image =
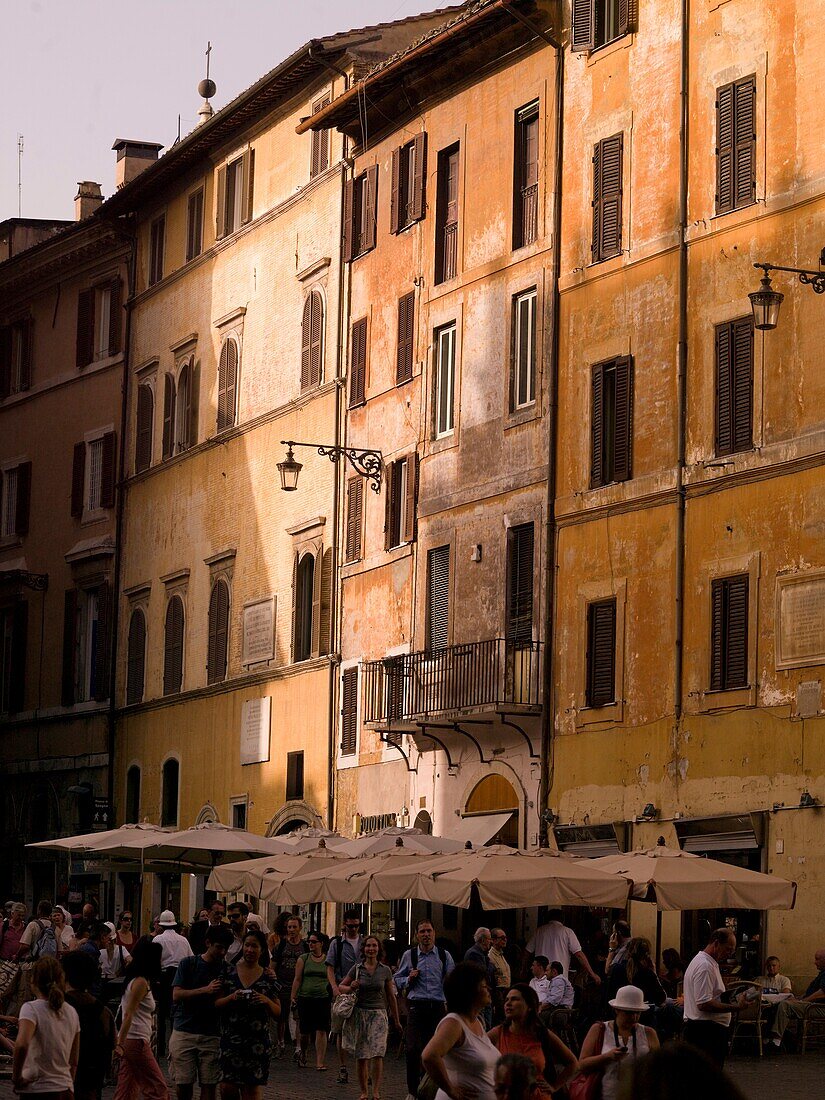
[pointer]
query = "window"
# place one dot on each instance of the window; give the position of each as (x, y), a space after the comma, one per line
(93, 475)
(601, 653)
(132, 814)
(401, 501)
(294, 775)
(523, 389)
(15, 499)
(520, 583)
(526, 176)
(438, 597)
(194, 225)
(355, 515)
(235, 193)
(86, 645)
(218, 632)
(312, 341)
(446, 216)
(607, 197)
(406, 338)
(227, 385)
(186, 408)
(597, 22)
(611, 421)
(358, 363)
(143, 430)
(157, 243)
(239, 814)
(729, 633)
(168, 415)
(736, 145)
(14, 621)
(15, 357)
(173, 647)
(349, 711)
(319, 157)
(136, 657)
(99, 312)
(444, 411)
(734, 386)
(170, 786)
(360, 203)
(304, 605)
(409, 175)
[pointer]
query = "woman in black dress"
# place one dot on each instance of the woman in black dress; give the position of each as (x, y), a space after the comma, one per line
(250, 1001)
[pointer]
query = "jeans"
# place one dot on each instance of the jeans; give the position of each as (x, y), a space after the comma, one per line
(422, 1019)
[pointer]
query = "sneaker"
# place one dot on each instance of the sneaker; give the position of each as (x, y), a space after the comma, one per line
(343, 1076)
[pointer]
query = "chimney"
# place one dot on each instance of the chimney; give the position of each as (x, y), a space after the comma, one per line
(87, 199)
(132, 158)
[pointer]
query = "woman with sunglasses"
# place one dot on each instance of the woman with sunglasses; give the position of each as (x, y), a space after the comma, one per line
(310, 995)
(124, 932)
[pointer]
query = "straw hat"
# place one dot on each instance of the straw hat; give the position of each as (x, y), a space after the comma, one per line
(167, 919)
(629, 999)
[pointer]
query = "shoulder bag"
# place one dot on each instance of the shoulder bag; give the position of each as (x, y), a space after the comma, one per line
(588, 1086)
(343, 1006)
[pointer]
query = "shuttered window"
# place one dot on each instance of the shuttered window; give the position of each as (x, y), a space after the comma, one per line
(194, 225)
(132, 815)
(218, 632)
(409, 174)
(611, 421)
(520, 583)
(729, 633)
(14, 621)
(85, 327)
(523, 382)
(406, 338)
(358, 363)
(78, 478)
(170, 787)
(608, 157)
(15, 500)
(597, 22)
(70, 639)
(294, 775)
(304, 597)
(526, 176)
(16, 343)
(319, 157)
(94, 474)
(169, 409)
(355, 513)
(312, 341)
(349, 711)
(173, 647)
(401, 501)
(360, 206)
(157, 244)
(438, 597)
(736, 145)
(136, 658)
(444, 387)
(143, 429)
(186, 408)
(601, 653)
(235, 191)
(227, 385)
(446, 215)
(734, 386)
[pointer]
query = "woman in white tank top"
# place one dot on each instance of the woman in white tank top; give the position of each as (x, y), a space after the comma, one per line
(460, 1058)
(139, 1071)
(607, 1046)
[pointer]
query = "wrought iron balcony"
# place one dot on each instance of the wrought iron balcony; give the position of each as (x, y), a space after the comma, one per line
(413, 687)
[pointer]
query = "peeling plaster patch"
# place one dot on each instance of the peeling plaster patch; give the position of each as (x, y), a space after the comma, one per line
(644, 774)
(682, 765)
(772, 696)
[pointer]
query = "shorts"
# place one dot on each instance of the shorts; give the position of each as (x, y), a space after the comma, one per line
(194, 1058)
(313, 1014)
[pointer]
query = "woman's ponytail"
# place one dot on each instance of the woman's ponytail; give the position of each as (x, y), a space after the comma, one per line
(48, 979)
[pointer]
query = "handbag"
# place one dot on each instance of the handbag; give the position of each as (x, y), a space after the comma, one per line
(9, 977)
(343, 1006)
(427, 1088)
(588, 1086)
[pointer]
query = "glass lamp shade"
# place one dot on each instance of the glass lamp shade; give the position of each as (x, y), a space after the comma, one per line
(765, 304)
(289, 470)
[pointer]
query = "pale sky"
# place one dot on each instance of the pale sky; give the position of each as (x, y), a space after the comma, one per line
(76, 74)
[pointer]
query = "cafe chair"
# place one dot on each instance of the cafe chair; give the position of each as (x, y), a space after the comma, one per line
(813, 1031)
(752, 1016)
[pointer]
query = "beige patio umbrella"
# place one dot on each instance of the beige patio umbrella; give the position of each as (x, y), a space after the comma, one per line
(265, 877)
(351, 880)
(412, 839)
(308, 837)
(210, 844)
(127, 842)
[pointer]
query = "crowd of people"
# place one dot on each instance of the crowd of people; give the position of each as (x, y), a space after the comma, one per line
(88, 1000)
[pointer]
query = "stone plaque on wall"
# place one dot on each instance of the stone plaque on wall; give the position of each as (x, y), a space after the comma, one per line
(256, 716)
(259, 631)
(800, 614)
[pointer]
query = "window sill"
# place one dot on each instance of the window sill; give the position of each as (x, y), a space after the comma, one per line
(344, 763)
(440, 443)
(609, 714)
(725, 700)
(607, 49)
(525, 415)
(94, 515)
(359, 255)
(8, 542)
(377, 560)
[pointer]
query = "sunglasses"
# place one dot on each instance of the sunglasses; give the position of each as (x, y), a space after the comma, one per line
(313, 941)
(124, 917)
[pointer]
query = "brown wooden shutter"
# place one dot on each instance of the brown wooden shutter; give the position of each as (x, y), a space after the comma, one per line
(625, 16)
(349, 711)
(607, 197)
(325, 624)
(248, 185)
(724, 389)
(397, 218)
(370, 200)
(744, 137)
(411, 503)
(623, 428)
(316, 351)
(520, 584)
(227, 384)
(355, 504)
(194, 402)
(358, 363)
(78, 478)
(406, 338)
(724, 149)
(317, 576)
(736, 640)
(69, 646)
(716, 620)
(104, 601)
(218, 633)
(597, 427)
(306, 345)
(742, 374)
(168, 416)
(23, 504)
(173, 647)
(601, 653)
(19, 644)
(348, 217)
(438, 597)
(85, 326)
(418, 205)
(584, 25)
(194, 225)
(183, 408)
(136, 658)
(145, 416)
(108, 470)
(220, 203)
(5, 361)
(115, 315)
(389, 505)
(26, 348)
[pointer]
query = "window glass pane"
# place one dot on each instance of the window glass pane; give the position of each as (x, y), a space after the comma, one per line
(609, 421)
(90, 643)
(445, 382)
(95, 468)
(103, 305)
(525, 346)
(16, 358)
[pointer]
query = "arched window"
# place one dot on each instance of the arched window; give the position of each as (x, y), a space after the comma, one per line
(169, 793)
(227, 385)
(136, 657)
(304, 608)
(143, 432)
(173, 647)
(494, 795)
(312, 341)
(186, 434)
(218, 632)
(168, 415)
(132, 814)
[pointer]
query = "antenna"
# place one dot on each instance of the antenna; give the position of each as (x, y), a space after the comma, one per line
(20, 175)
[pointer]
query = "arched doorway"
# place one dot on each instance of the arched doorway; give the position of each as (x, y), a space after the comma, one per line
(495, 795)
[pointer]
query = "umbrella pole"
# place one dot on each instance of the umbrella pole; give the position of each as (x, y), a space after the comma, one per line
(658, 938)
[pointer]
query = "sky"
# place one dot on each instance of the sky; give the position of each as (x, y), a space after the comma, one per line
(77, 74)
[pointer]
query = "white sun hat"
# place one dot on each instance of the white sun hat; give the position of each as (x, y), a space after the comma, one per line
(629, 999)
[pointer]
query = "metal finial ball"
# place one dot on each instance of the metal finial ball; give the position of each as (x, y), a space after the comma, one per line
(207, 88)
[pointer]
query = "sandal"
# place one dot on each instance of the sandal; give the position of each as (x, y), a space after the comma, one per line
(321, 1068)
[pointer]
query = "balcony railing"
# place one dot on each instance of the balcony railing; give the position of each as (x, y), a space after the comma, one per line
(412, 687)
(529, 214)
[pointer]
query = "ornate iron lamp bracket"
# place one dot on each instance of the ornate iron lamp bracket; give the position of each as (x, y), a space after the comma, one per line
(368, 463)
(815, 279)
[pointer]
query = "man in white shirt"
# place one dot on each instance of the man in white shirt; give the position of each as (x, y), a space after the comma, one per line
(174, 948)
(554, 940)
(539, 983)
(707, 1016)
(772, 981)
(113, 957)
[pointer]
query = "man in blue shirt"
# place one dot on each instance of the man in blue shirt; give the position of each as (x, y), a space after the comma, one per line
(811, 1005)
(421, 976)
(344, 953)
(482, 942)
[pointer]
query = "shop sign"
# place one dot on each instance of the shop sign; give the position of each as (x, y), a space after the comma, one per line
(371, 823)
(255, 728)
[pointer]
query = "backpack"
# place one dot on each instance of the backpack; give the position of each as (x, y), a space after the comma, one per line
(442, 954)
(46, 944)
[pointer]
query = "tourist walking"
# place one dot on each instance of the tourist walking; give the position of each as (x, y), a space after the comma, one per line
(48, 1036)
(421, 975)
(284, 960)
(139, 1071)
(460, 1058)
(11, 930)
(97, 1026)
(250, 1002)
(522, 1032)
(608, 1044)
(344, 952)
(310, 996)
(365, 1032)
(175, 948)
(125, 934)
(63, 933)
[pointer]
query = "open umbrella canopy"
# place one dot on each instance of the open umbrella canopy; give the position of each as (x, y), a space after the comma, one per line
(270, 878)
(394, 836)
(674, 879)
(352, 880)
(308, 837)
(210, 844)
(127, 842)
